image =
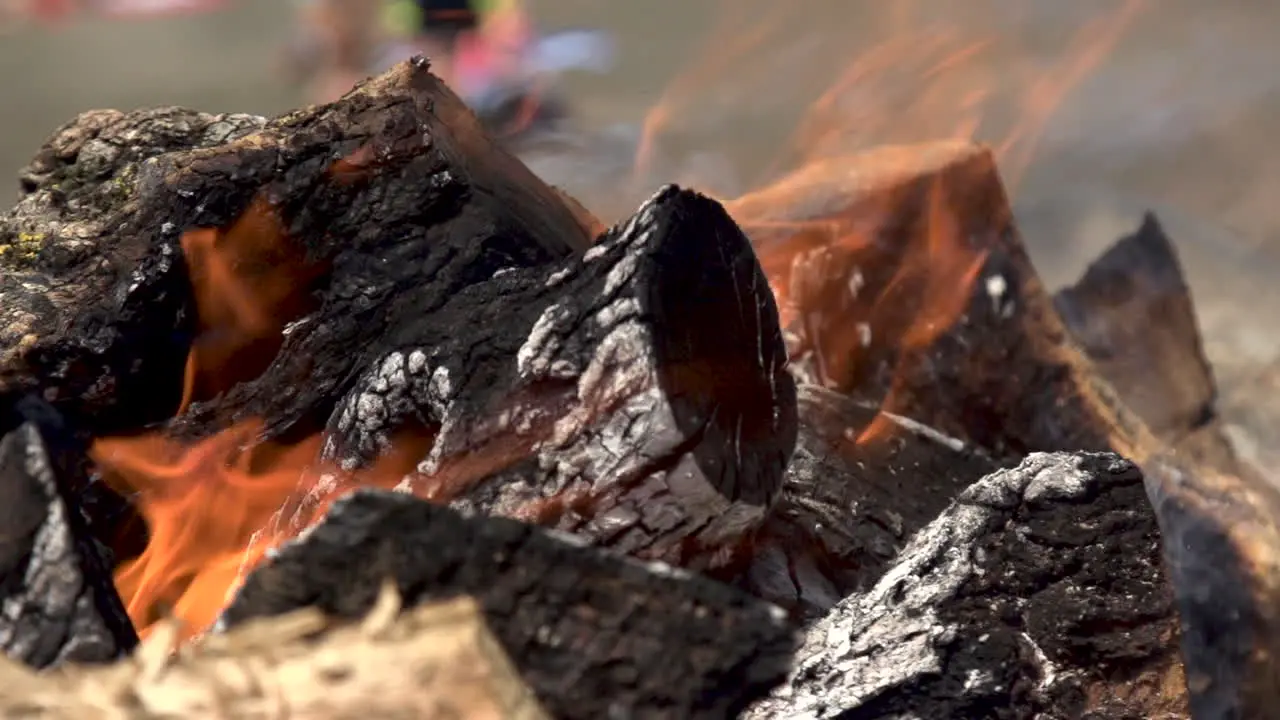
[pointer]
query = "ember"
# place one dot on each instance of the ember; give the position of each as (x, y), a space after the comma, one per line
(828, 448)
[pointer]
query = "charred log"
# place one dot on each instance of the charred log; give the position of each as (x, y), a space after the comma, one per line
(639, 414)
(96, 304)
(1007, 376)
(594, 635)
(1133, 315)
(57, 601)
(1039, 594)
(847, 508)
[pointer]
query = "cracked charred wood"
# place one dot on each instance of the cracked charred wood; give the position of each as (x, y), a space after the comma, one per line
(435, 661)
(1039, 594)
(393, 183)
(847, 508)
(57, 600)
(1007, 376)
(598, 395)
(593, 634)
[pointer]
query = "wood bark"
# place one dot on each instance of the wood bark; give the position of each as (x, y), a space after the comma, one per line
(57, 601)
(595, 635)
(435, 661)
(96, 306)
(1039, 594)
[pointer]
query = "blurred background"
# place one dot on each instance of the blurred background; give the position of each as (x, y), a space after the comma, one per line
(1100, 109)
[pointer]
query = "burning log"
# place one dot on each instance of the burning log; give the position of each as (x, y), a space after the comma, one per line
(599, 390)
(1039, 593)
(987, 360)
(438, 660)
(96, 302)
(58, 601)
(370, 293)
(594, 635)
(847, 509)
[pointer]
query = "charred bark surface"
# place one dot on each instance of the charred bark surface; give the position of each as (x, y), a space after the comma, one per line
(1039, 594)
(848, 507)
(639, 394)
(57, 600)
(392, 184)
(594, 635)
(1132, 313)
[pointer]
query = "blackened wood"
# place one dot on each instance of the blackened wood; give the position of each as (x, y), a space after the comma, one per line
(57, 600)
(639, 394)
(847, 508)
(1008, 377)
(392, 184)
(1133, 314)
(595, 635)
(1039, 594)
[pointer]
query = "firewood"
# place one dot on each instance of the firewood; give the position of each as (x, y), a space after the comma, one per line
(846, 508)
(435, 661)
(1039, 593)
(96, 304)
(593, 634)
(1132, 313)
(59, 604)
(1006, 375)
(641, 413)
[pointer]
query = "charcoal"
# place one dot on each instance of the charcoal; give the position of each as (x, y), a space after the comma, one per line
(593, 634)
(1039, 594)
(847, 508)
(57, 600)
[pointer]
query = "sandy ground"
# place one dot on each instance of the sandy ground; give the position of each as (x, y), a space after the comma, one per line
(1177, 116)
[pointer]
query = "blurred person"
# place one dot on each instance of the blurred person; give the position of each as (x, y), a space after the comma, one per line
(480, 37)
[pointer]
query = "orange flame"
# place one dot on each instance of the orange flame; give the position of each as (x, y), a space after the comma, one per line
(919, 82)
(213, 508)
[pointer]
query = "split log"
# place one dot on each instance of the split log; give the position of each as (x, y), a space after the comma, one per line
(435, 661)
(1133, 315)
(97, 312)
(1005, 375)
(1039, 594)
(847, 508)
(57, 601)
(595, 635)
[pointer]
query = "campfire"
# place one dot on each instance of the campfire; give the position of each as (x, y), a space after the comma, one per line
(348, 411)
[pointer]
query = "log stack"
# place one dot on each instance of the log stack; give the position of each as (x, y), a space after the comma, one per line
(716, 460)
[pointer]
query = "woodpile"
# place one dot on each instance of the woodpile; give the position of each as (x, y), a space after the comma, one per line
(361, 416)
